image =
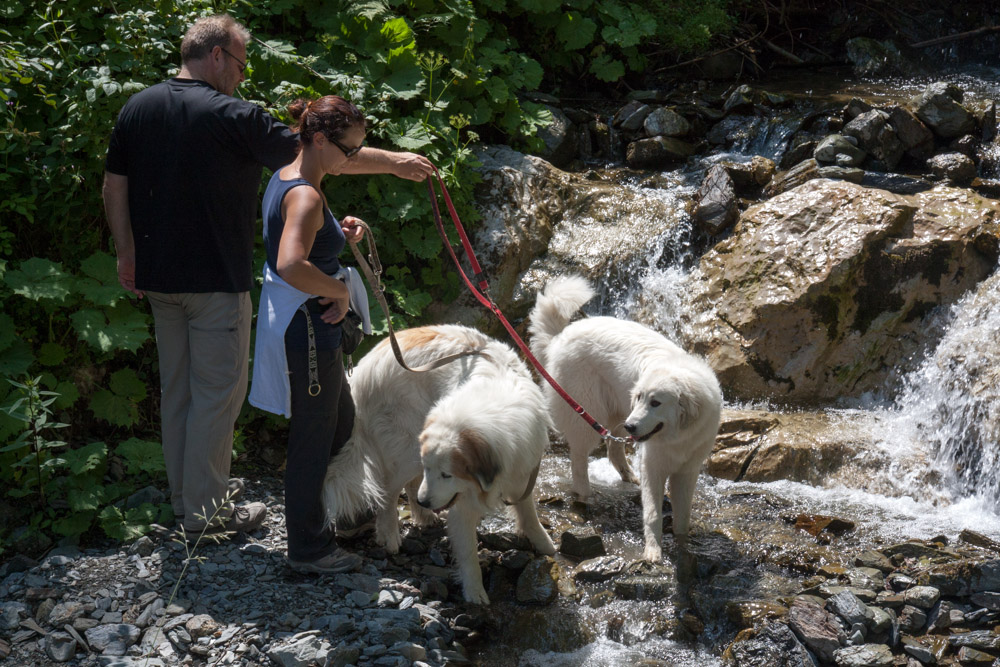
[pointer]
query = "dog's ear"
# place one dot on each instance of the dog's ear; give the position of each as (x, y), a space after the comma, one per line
(689, 409)
(477, 456)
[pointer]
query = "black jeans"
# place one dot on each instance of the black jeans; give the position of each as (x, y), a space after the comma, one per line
(320, 426)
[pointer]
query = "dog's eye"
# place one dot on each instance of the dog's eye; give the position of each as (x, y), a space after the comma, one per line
(445, 475)
(654, 403)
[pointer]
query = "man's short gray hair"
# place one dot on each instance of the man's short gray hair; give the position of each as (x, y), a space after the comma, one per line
(209, 32)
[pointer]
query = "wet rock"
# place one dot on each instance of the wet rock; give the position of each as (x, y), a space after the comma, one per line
(837, 145)
(912, 619)
(917, 140)
(953, 167)
(938, 106)
(539, 582)
(814, 524)
(877, 137)
(599, 569)
(644, 581)
(971, 656)
(752, 174)
(807, 313)
(802, 172)
(874, 559)
(775, 645)
(657, 152)
(842, 174)
(981, 640)
(868, 655)
(666, 122)
(717, 208)
(817, 628)
(923, 597)
(847, 605)
(750, 613)
(581, 544)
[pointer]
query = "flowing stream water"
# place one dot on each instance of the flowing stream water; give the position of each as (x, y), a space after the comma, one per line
(937, 441)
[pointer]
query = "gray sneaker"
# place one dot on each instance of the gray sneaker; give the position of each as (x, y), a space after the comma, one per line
(332, 563)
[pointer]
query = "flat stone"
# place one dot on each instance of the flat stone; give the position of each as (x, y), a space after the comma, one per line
(847, 605)
(581, 544)
(817, 628)
(538, 582)
(866, 655)
(981, 640)
(599, 569)
(922, 596)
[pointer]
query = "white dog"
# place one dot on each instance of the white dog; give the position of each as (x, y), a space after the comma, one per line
(625, 373)
(479, 423)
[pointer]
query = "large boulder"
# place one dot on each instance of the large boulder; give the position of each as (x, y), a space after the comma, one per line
(825, 291)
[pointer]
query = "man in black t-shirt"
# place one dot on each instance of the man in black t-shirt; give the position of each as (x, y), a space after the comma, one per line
(180, 191)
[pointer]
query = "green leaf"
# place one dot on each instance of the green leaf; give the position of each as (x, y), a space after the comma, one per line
(575, 31)
(101, 287)
(51, 354)
(131, 525)
(416, 138)
(114, 409)
(39, 279)
(396, 31)
(87, 498)
(606, 68)
(76, 523)
(89, 457)
(68, 395)
(16, 359)
(121, 327)
(126, 383)
(497, 89)
(141, 456)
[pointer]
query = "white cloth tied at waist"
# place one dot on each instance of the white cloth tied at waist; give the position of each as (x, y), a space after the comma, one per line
(270, 389)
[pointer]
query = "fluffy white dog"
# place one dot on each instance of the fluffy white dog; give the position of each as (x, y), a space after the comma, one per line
(480, 425)
(625, 373)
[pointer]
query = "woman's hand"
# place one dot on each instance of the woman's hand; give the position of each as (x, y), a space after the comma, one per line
(337, 310)
(353, 231)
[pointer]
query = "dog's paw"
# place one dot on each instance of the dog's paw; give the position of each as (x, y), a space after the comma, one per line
(652, 554)
(630, 477)
(389, 542)
(476, 595)
(423, 517)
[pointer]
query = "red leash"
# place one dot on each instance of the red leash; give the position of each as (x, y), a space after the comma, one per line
(487, 301)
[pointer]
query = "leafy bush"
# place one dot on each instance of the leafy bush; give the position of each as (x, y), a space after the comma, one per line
(433, 77)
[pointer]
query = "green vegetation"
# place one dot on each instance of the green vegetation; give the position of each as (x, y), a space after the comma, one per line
(434, 77)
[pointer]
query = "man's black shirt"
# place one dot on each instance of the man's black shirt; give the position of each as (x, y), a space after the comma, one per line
(193, 159)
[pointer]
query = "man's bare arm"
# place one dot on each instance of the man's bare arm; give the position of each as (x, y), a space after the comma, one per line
(116, 208)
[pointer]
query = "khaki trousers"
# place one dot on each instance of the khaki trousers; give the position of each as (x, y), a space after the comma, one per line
(203, 341)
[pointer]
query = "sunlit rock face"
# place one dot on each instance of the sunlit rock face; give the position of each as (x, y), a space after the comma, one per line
(827, 290)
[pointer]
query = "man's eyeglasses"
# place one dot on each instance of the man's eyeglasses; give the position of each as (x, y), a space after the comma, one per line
(239, 63)
(348, 152)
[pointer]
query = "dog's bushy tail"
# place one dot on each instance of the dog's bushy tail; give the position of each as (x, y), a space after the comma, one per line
(351, 488)
(554, 307)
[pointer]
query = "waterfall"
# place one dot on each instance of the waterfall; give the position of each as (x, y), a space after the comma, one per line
(951, 404)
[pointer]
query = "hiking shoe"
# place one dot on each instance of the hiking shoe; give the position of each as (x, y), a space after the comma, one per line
(332, 563)
(234, 493)
(244, 519)
(235, 488)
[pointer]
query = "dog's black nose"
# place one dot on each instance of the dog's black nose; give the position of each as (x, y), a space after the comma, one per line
(424, 503)
(630, 428)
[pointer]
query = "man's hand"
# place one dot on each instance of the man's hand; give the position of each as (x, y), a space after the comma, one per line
(337, 310)
(126, 274)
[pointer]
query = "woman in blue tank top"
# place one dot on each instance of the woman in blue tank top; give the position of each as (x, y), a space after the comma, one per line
(303, 240)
